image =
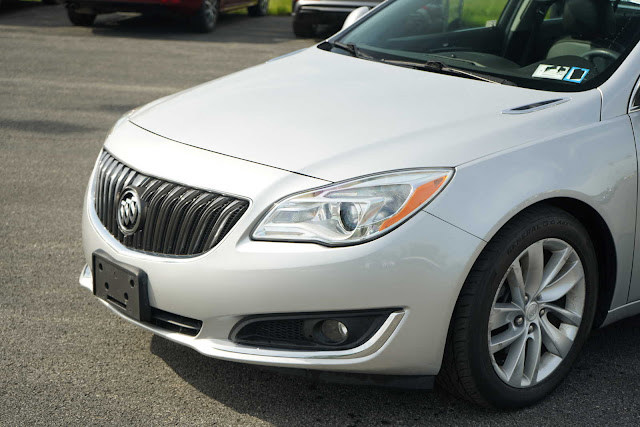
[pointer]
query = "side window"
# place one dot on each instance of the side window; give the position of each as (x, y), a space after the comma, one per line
(635, 104)
(555, 11)
(470, 14)
(454, 14)
(439, 16)
(442, 16)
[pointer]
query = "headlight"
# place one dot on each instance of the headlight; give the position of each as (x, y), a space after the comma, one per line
(353, 211)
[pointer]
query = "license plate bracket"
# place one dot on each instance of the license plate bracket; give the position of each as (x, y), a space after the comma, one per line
(123, 286)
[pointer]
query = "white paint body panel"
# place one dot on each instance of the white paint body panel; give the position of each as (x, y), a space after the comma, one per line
(241, 277)
(336, 117)
(317, 117)
(573, 165)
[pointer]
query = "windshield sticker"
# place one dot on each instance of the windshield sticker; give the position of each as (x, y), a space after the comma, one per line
(576, 75)
(553, 72)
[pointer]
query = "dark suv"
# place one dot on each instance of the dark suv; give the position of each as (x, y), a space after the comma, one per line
(307, 14)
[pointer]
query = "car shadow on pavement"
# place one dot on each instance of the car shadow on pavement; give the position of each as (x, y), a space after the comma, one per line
(48, 126)
(608, 364)
(285, 399)
(7, 7)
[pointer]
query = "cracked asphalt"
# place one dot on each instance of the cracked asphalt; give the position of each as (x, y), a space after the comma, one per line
(65, 360)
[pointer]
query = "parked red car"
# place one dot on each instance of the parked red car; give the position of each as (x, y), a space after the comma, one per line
(202, 13)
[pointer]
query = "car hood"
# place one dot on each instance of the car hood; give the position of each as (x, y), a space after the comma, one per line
(335, 117)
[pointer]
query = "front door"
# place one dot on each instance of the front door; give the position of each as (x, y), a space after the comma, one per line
(634, 113)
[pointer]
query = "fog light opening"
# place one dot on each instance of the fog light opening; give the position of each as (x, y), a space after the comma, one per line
(333, 331)
(318, 331)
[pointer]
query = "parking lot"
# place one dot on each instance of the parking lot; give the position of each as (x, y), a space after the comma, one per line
(64, 359)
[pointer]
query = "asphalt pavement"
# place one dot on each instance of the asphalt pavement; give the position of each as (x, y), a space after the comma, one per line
(66, 360)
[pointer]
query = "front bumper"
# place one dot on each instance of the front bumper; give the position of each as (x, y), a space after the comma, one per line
(419, 267)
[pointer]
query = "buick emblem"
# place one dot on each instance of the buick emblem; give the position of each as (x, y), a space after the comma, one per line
(129, 211)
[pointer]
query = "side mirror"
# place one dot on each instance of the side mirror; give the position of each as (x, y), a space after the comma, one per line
(355, 15)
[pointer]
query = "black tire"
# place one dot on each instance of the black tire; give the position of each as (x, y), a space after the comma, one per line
(205, 20)
(80, 19)
(467, 370)
(259, 9)
(302, 29)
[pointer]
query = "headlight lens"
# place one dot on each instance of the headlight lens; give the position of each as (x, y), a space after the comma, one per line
(353, 211)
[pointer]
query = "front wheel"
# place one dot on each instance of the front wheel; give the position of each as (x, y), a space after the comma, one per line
(260, 9)
(205, 20)
(80, 19)
(524, 312)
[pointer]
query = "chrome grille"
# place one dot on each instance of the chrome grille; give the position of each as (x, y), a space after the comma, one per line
(178, 220)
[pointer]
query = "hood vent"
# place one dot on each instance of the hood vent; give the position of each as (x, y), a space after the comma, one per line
(536, 106)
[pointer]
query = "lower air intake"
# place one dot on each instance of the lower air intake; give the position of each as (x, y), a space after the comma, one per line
(175, 322)
(310, 331)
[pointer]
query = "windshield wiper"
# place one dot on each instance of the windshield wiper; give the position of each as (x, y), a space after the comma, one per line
(441, 67)
(434, 66)
(353, 50)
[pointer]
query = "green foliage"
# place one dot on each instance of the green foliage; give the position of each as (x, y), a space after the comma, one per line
(279, 7)
(476, 13)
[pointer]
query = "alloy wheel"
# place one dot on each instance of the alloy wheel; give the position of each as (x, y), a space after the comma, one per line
(264, 6)
(536, 313)
(210, 11)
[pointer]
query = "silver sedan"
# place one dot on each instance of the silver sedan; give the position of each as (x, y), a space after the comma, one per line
(454, 202)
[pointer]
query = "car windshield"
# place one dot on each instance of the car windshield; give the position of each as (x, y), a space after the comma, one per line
(559, 45)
